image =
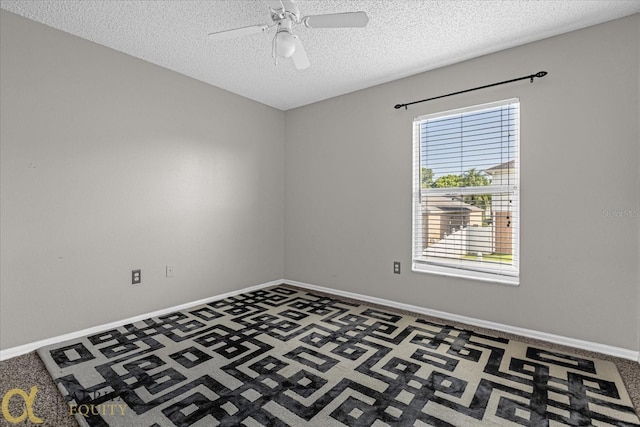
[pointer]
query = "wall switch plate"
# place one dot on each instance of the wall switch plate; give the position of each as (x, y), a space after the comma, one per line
(170, 270)
(396, 267)
(136, 277)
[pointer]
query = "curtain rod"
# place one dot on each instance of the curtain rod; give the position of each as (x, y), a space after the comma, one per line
(539, 74)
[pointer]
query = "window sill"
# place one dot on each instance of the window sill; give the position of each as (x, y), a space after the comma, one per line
(465, 274)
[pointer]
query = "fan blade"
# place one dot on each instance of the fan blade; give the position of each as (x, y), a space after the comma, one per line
(238, 32)
(300, 58)
(337, 20)
(279, 5)
(274, 4)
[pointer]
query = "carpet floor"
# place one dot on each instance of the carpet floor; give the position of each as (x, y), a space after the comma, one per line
(287, 357)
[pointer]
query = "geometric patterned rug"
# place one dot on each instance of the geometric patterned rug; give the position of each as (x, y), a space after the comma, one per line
(288, 357)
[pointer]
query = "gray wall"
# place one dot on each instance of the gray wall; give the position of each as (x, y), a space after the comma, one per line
(348, 187)
(110, 164)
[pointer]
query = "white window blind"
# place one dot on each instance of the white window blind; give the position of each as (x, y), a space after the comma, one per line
(466, 192)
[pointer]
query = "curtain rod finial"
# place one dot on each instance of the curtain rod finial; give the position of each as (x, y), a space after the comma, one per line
(397, 106)
(539, 74)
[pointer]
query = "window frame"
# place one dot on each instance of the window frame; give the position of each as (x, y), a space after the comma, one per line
(474, 270)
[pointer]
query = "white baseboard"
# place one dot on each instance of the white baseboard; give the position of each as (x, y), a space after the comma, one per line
(27, 348)
(556, 339)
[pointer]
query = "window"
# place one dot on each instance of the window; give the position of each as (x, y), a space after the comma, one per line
(466, 192)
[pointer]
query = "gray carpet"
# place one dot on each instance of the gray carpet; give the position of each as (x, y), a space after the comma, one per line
(286, 357)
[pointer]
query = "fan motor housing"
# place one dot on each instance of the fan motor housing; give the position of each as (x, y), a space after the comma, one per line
(290, 12)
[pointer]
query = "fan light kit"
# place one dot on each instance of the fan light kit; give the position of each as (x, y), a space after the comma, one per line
(285, 14)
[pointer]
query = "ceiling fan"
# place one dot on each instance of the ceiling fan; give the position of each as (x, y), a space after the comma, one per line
(285, 14)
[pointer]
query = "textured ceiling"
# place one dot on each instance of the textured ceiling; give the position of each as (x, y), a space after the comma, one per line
(404, 37)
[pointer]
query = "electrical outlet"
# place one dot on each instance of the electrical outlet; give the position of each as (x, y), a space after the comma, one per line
(396, 267)
(170, 270)
(136, 277)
